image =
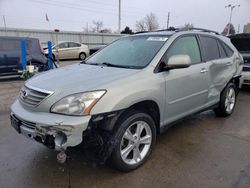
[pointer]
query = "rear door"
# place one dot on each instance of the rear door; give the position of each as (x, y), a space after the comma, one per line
(63, 49)
(218, 57)
(74, 49)
(186, 89)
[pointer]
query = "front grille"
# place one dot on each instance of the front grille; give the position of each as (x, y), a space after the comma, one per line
(27, 124)
(32, 97)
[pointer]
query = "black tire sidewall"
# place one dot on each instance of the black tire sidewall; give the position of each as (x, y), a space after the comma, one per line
(222, 109)
(82, 53)
(125, 122)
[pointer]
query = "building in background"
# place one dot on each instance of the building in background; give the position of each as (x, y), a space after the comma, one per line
(247, 28)
(90, 39)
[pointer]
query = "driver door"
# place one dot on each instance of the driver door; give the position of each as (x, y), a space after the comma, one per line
(186, 88)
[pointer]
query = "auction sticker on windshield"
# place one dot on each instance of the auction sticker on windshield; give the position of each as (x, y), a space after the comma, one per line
(160, 39)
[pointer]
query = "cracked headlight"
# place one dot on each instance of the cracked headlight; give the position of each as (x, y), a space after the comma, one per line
(77, 104)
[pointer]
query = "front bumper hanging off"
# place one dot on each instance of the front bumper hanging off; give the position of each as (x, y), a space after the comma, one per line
(53, 130)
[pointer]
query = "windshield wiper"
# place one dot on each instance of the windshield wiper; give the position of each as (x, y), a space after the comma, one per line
(119, 66)
(111, 65)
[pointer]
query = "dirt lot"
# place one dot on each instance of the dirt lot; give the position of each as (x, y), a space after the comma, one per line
(201, 151)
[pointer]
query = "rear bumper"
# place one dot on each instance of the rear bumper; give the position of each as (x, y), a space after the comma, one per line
(53, 130)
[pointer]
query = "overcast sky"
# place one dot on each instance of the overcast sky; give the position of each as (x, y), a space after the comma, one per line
(75, 15)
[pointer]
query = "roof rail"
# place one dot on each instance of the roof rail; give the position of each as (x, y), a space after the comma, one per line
(182, 29)
(198, 29)
(170, 29)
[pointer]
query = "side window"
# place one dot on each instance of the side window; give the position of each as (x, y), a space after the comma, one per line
(228, 50)
(222, 51)
(210, 47)
(73, 45)
(185, 46)
(63, 45)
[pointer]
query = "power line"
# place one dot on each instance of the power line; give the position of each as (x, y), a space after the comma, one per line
(119, 17)
(71, 7)
(104, 10)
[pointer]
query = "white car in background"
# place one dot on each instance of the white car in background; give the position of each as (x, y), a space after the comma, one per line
(69, 50)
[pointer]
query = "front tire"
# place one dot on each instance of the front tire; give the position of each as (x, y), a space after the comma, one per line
(136, 135)
(227, 101)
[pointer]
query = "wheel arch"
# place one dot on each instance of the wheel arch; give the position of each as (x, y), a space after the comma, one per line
(236, 81)
(82, 52)
(149, 107)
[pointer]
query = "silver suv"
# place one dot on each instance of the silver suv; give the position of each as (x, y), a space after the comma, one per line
(119, 99)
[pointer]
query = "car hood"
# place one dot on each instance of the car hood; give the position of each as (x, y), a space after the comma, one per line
(78, 78)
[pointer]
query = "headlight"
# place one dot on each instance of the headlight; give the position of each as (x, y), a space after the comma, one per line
(77, 104)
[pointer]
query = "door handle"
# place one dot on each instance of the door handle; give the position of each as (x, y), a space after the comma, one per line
(203, 70)
(228, 63)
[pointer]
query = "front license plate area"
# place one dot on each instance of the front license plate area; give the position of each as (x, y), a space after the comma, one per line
(15, 123)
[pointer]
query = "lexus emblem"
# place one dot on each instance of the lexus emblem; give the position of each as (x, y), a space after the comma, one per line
(24, 94)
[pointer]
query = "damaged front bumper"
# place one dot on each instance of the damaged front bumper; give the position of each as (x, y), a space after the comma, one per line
(53, 130)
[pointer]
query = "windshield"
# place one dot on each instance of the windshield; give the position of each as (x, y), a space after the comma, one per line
(129, 52)
(242, 44)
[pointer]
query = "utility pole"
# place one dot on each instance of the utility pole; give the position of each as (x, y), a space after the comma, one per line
(119, 17)
(4, 22)
(231, 15)
(168, 20)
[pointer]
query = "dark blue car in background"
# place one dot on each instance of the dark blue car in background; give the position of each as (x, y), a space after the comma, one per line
(11, 56)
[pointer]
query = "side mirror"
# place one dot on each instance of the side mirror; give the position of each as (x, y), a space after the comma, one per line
(178, 62)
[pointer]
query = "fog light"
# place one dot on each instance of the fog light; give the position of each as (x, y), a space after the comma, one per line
(60, 139)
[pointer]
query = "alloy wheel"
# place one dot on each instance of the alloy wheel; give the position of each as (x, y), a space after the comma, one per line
(136, 142)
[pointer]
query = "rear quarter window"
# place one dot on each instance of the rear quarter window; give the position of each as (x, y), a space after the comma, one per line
(223, 53)
(228, 50)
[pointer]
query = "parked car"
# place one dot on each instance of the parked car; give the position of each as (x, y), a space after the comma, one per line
(69, 50)
(94, 49)
(122, 97)
(10, 55)
(242, 43)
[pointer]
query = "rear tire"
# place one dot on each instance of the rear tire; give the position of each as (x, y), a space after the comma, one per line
(136, 138)
(227, 101)
(82, 56)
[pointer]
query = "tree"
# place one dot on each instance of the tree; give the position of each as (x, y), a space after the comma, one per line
(188, 26)
(140, 26)
(127, 30)
(97, 26)
(232, 30)
(171, 28)
(148, 23)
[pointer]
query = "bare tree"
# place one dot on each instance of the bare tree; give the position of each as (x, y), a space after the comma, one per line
(151, 22)
(97, 26)
(148, 23)
(188, 26)
(140, 26)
